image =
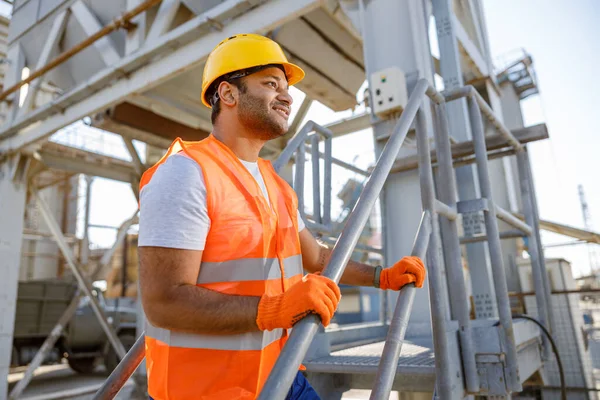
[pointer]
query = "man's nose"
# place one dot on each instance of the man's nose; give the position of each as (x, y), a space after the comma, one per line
(285, 97)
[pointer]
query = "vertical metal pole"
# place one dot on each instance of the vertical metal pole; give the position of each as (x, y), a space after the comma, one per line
(459, 303)
(85, 251)
(395, 336)
(436, 280)
(466, 176)
(284, 371)
(299, 178)
(536, 229)
(12, 217)
(327, 183)
(316, 177)
(491, 224)
(536, 265)
(83, 284)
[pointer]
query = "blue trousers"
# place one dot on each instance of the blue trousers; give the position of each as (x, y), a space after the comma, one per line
(300, 390)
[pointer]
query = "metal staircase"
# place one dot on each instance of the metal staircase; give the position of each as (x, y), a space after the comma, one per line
(485, 357)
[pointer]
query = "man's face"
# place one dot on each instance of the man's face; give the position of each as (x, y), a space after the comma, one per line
(265, 104)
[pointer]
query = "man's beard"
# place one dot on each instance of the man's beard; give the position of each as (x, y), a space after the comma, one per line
(254, 114)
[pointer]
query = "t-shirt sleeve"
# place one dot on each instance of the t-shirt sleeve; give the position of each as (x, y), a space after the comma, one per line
(173, 211)
(301, 224)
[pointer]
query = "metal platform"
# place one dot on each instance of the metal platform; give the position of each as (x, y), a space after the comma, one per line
(416, 366)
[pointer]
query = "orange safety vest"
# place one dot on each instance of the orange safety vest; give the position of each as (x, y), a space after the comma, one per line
(251, 249)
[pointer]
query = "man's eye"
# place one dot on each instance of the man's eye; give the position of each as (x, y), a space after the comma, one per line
(272, 84)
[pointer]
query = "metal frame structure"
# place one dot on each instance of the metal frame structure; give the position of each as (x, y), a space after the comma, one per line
(69, 312)
(321, 221)
(427, 239)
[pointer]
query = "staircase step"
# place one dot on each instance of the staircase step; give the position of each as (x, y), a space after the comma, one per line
(416, 365)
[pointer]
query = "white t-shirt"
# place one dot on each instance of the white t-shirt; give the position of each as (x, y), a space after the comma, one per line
(173, 210)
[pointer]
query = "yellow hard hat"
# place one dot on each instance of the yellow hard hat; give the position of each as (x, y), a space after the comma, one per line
(245, 51)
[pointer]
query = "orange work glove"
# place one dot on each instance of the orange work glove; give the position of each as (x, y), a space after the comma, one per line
(408, 270)
(314, 294)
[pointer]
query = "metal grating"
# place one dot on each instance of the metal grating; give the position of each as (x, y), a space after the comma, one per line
(365, 359)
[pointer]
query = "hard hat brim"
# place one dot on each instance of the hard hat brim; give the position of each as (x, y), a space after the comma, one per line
(293, 73)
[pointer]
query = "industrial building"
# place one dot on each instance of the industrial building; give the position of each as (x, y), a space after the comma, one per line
(97, 90)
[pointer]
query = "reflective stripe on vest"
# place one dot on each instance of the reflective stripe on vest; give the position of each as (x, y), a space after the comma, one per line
(243, 341)
(249, 269)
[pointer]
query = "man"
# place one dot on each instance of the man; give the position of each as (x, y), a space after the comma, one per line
(222, 246)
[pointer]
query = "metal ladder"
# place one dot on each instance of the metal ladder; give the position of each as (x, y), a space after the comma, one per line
(427, 241)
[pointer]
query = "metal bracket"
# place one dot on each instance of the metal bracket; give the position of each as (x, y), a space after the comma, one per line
(19, 171)
(470, 206)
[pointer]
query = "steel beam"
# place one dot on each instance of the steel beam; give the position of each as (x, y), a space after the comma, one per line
(164, 18)
(465, 149)
(581, 234)
(163, 106)
(54, 37)
(459, 303)
(510, 219)
(84, 285)
(140, 124)
(445, 210)
(513, 383)
(466, 176)
(439, 304)
(350, 125)
(137, 163)
(471, 92)
(90, 25)
(85, 243)
(16, 56)
(65, 158)
(470, 48)
(193, 42)
(136, 35)
(12, 215)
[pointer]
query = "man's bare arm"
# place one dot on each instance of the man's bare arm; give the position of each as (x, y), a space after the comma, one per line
(315, 257)
(172, 300)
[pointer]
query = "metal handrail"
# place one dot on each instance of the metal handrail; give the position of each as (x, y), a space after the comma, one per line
(399, 323)
(284, 371)
(121, 374)
(297, 144)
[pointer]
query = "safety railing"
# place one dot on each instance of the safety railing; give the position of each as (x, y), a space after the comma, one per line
(289, 360)
(284, 371)
(321, 220)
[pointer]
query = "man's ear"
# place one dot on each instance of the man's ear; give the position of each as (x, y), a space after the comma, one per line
(227, 93)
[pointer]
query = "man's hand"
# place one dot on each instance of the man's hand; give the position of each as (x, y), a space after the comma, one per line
(408, 270)
(314, 294)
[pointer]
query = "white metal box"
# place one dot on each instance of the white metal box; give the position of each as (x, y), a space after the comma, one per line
(389, 93)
